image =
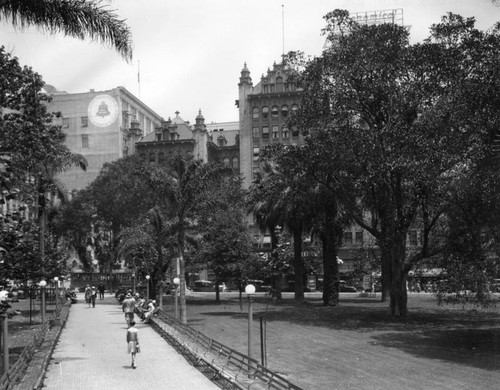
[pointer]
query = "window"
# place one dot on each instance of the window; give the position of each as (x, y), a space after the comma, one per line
(152, 157)
(236, 163)
(359, 238)
(85, 141)
(276, 132)
(279, 80)
(256, 132)
(274, 111)
(65, 123)
(285, 133)
(265, 112)
(265, 132)
(412, 237)
(284, 111)
(158, 137)
(295, 132)
(272, 88)
(347, 239)
(161, 157)
(256, 152)
(226, 161)
(294, 108)
(84, 121)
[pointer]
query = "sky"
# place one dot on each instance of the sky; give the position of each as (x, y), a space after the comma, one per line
(189, 53)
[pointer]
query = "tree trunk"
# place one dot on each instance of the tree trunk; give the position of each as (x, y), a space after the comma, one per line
(330, 266)
(398, 293)
(298, 265)
(182, 276)
(386, 267)
(217, 292)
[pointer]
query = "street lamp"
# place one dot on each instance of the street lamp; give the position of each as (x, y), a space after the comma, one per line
(56, 283)
(147, 286)
(176, 282)
(250, 291)
(133, 283)
(42, 285)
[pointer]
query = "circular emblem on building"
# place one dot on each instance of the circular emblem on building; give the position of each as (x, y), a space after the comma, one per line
(103, 110)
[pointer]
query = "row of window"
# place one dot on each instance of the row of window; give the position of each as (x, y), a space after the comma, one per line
(358, 238)
(276, 132)
(234, 163)
(274, 111)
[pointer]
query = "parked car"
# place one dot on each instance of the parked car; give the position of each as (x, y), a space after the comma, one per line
(204, 286)
(344, 287)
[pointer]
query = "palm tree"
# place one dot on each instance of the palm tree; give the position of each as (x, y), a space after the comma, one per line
(47, 182)
(188, 184)
(79, 19)
(280, 198)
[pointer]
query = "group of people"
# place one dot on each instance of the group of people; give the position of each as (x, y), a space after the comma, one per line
(138, 305)
(132, 305)
(91, 294)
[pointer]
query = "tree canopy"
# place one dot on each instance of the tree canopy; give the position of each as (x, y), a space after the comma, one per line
(395, 124)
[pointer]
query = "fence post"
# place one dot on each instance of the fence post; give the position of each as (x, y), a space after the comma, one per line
(263, 339)
(5, 334)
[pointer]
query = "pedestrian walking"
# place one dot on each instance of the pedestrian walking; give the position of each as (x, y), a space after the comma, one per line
(133, 342)
(88, 292)
(128, 306)
(93, 296)
(101, 289)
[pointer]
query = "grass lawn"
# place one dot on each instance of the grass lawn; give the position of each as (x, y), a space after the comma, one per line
(24, 327)
(357, 345)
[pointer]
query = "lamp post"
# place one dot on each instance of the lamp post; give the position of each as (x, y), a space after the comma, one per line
(42, 285)
(250, 291)
(133, 283)
(147, 286)
(176, 282)
(56, 284)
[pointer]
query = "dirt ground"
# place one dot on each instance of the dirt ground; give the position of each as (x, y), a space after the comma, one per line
(357, 345)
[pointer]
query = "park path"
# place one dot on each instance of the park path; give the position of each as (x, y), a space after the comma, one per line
(91, 355)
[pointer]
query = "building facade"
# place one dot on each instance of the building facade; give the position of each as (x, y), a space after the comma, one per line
(100, 125)
(263, 112)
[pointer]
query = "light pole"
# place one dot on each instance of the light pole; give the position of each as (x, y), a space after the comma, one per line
(147, 286)
(56, 284)
(133, 283)
(176, 282)
(42, 285)
(250, 291)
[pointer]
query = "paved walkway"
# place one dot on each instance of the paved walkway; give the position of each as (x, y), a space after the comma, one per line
(91, 355)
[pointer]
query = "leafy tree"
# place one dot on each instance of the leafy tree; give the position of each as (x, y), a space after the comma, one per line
(79, 19)
(226, 245)
(120, 196)
(147, 242)
(401, 120)
(32, 145)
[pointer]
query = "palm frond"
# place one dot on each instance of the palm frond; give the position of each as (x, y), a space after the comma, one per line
(80, 19)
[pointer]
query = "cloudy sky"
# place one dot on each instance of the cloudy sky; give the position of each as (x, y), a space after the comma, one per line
(191, 52)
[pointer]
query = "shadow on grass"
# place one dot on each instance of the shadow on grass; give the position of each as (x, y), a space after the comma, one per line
(470, 338)
(472, 347)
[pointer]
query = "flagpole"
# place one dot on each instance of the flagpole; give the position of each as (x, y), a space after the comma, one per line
(139, 77)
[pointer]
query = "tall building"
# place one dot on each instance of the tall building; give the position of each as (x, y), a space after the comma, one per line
(263, 112)
(100, 125)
